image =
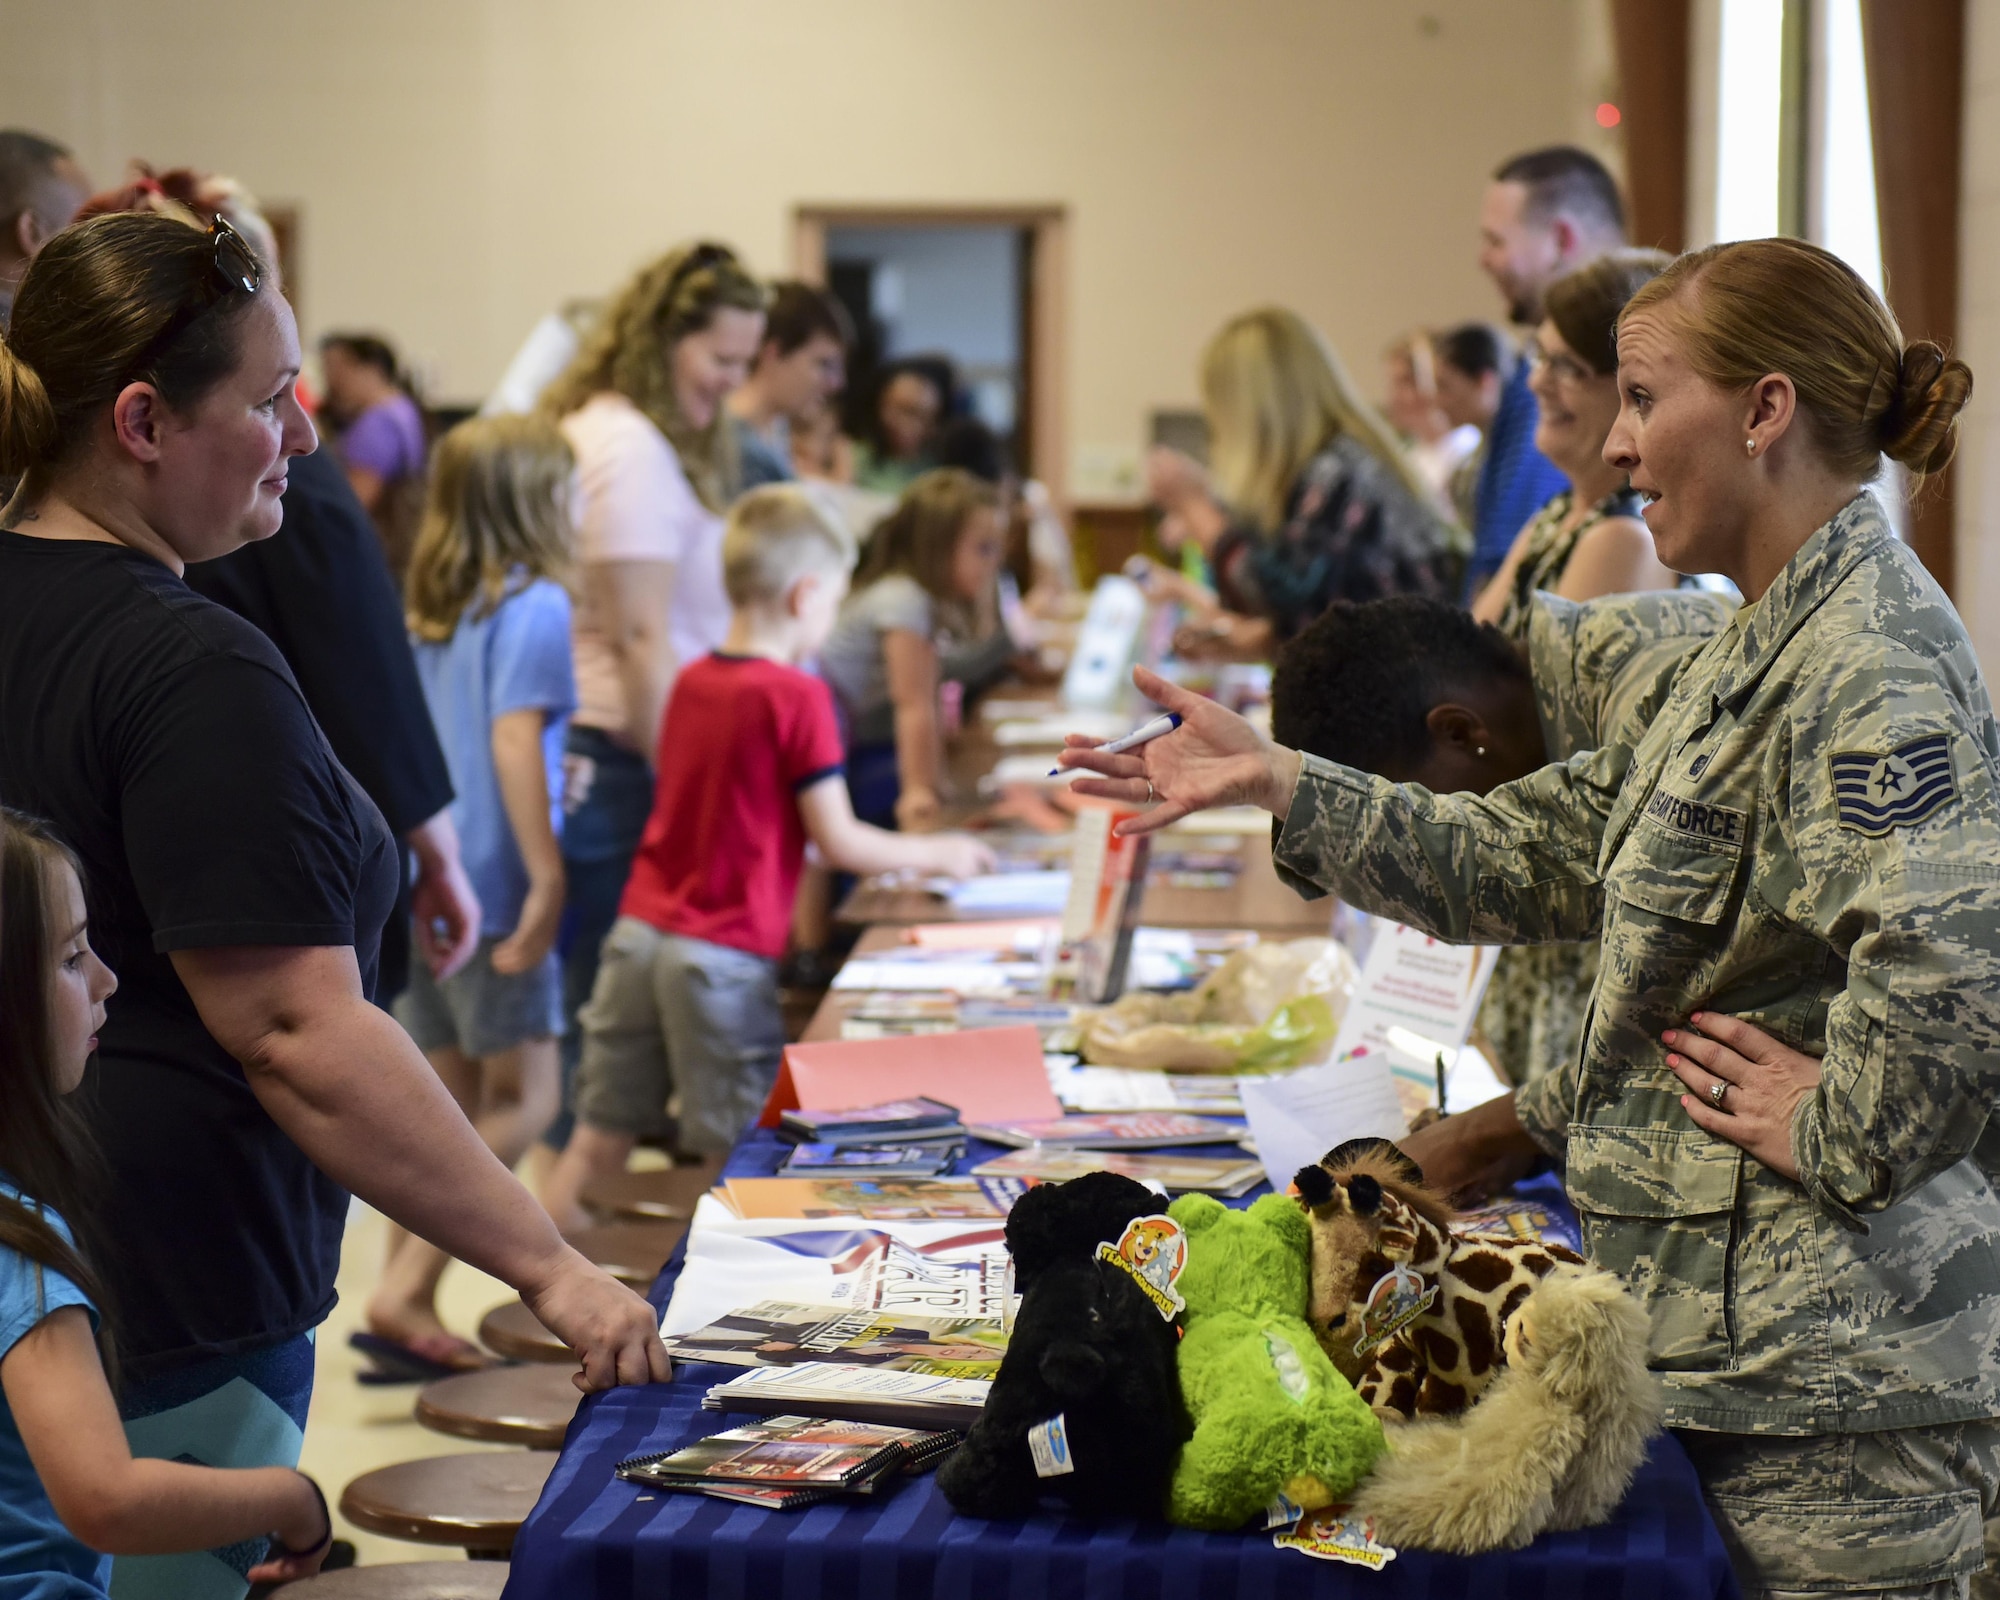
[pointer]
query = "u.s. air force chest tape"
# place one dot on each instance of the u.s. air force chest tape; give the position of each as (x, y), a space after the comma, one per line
(1719, 827)
(1876, 791)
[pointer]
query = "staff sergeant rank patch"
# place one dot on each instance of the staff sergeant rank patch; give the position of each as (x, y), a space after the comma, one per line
(1875, 793)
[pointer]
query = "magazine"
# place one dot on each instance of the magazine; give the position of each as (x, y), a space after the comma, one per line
(896, 1122)
(874, 1199)
(1136, 1130)
(791, 1460)
(776, 1333)
(925, 1160)
(1044, 1163)
(863, 1394)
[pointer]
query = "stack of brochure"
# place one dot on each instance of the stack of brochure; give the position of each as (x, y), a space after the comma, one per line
(928, 1159)
(791, 1461)
(776, 1333)
(1132, 1130)
(860, 1394)
(1052, 1163)
(898, 1122)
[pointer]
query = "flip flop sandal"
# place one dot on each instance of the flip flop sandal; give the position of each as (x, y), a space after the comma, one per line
(417, 1360)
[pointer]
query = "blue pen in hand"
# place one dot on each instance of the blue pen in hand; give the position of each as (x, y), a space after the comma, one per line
(1138, 736)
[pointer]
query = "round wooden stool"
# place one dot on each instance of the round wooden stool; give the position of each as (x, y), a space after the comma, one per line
(477, 1502)
(528, 1405)
(632, 1252)
(662, 1194)
(515, 1333)
(405, 1580)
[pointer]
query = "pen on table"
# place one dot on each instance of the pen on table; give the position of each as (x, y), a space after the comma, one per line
(1440, 1073)
(1145, 734)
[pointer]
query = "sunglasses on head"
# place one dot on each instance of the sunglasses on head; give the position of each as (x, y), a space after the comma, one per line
(233, 267)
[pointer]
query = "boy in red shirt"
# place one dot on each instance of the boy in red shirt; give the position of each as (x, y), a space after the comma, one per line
(750, 769)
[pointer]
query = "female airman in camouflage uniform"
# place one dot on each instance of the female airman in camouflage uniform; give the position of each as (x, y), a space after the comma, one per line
(1789, 1058)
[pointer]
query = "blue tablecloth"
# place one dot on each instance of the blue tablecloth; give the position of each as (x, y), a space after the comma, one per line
(594, 1537)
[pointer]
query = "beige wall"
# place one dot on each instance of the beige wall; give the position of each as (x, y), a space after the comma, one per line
(1979, 338)
(463, 165)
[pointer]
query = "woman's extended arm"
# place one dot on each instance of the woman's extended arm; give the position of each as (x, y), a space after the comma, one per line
(1517, 866)
(127, 1506)
(629, 601)
(911, 662)
(348, 1086)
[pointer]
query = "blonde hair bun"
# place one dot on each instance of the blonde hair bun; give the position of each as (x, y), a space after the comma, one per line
(1920, 426)
(27, 415)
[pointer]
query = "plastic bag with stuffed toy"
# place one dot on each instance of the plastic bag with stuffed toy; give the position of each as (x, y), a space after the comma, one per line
(1265, 1009)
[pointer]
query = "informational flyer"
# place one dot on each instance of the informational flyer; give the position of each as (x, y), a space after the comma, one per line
(1417, 997)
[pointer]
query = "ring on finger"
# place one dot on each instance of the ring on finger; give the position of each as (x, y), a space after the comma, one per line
(1716, 1091)
(1149, 791)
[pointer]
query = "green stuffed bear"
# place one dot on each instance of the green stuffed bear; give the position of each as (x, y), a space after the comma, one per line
(1271, 1415)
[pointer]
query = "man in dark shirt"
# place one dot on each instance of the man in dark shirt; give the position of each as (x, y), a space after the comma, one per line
(320, 590)
(1545, 213)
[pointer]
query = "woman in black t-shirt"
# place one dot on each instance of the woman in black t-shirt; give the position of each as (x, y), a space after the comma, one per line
(238, 877)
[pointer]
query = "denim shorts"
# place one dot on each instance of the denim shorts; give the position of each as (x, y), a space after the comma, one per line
(478, 1011)
(678, 1028)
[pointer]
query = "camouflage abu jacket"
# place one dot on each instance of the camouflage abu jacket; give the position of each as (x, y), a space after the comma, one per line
(1807, 837)
(1600, 670)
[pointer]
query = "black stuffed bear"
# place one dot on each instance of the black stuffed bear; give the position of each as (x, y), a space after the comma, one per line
(1087, 1345)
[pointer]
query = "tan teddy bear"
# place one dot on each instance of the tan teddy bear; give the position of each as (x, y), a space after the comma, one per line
(1552, 1443)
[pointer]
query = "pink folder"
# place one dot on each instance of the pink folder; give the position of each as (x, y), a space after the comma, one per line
(990, 1074)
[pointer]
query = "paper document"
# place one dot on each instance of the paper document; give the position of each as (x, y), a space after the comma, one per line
(1412, 982)
(955, 977)
(1296, 1117)
(1012, 893)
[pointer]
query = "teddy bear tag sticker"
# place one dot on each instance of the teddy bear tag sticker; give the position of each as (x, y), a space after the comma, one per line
(1397, 1300)
(1152, 1251)
(1048, 1443)
(1333, 1533)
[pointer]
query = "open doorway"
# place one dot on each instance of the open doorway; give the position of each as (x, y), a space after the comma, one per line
(980, 287)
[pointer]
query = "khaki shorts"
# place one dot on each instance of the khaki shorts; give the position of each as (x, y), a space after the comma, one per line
(682, 1030)
(1906, 1512)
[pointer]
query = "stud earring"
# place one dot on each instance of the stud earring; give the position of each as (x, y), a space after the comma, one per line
(1479, 749)
(1750, 447)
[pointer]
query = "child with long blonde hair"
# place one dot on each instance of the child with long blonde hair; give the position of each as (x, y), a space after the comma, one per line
(489, 618)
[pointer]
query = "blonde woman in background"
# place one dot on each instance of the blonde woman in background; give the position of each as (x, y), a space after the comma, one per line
(642, 407)
(1309, 499)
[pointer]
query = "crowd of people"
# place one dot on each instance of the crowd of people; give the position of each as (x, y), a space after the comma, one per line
(381, 817)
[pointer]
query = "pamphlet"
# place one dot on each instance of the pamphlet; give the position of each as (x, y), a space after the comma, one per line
(1056, 1163)
(872, 1160)
(791, 1461)
(896, 1122)
(867, 1394)
(993, 1074)
(874, 1199)
(775, 1333)
(1135, 1130)
(1423, 991)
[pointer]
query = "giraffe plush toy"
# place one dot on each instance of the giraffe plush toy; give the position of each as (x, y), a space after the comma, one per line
(1413, 1314)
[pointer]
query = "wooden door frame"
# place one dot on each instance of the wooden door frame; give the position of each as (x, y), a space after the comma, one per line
(1045, 331)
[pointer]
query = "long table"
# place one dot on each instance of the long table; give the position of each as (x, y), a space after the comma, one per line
(593, 1536)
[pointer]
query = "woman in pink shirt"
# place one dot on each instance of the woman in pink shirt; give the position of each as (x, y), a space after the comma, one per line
(642, 407)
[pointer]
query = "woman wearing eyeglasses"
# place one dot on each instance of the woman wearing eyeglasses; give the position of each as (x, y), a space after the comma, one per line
(1586, 542)
(237, 879)
(1589, 540)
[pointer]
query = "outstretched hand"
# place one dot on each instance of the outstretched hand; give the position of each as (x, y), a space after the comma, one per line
(1214, 758)
(1762, 1082)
